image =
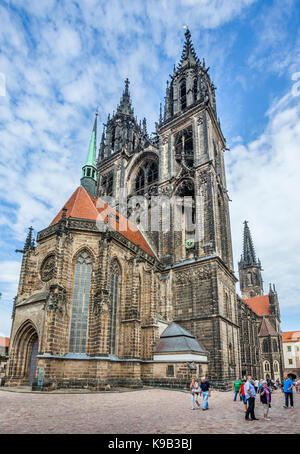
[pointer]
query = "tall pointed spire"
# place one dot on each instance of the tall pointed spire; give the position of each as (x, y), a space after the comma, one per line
(251, 282)
(188, 55)
(125, 106)
(248, 248)
(89, 170)
(91, 155)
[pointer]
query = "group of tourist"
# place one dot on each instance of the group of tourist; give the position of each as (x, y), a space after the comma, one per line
(249, 390)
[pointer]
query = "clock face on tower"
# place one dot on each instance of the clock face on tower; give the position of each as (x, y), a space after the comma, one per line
(189, 244)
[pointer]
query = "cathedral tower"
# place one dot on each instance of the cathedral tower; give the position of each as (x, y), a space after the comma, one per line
(191, 166)
(251, 283)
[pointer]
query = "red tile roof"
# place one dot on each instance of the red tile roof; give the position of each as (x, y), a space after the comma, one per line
(266, 329)
(83, 206)
(291, 336)
(4, 341)
(259, 304)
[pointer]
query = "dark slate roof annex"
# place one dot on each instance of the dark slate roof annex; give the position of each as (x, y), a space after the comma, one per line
(177, 339)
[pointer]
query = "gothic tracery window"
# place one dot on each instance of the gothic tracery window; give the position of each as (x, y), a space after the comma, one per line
(265, 347)
(80, 308)
(107, 184)
(114, 302)
(195, 89)
(184, 147)
(147, 176)
(183, 94)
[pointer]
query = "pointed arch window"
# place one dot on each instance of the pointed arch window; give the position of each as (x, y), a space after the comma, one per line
(140, 180)
(147, 176)
(114, 302)
(183, 94)
(113, 139)
(275, 346)
(80, 308)
(265, 347)
(152, 172)
(184, 146)
(195, 89)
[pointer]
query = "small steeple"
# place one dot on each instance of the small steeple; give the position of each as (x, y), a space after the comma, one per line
(89, 170)
(188, 55)
(29, 242)
(125, 106)
(248, 248)
(102, 146)
(145, 133)
(160, 114)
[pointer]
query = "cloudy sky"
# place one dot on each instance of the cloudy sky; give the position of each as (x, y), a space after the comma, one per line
(61, 59)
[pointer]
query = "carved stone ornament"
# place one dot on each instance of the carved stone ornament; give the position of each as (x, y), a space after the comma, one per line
(203, 178)
(56, 299)
(165, 190)
(193, 276)
(101, 301)
(48, 268)
(200, 120)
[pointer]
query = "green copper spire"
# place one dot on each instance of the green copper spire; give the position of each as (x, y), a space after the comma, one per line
(91, 156)
(89, 170)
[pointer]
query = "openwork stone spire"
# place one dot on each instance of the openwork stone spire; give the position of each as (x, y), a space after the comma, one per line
(251, 282)
(125, 106)
(188, 53)
(249, 257)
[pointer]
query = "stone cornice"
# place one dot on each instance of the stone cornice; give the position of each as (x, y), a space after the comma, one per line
(87, 225)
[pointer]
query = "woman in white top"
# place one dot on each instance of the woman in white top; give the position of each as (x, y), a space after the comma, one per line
(195, 390)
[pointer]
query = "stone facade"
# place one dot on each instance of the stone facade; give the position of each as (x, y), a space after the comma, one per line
(259, 319)
(92, 303)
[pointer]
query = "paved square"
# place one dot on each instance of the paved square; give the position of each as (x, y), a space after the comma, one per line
(154, 411)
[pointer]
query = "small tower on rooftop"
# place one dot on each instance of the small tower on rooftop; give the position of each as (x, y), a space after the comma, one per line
(89, 170)
(251, 283)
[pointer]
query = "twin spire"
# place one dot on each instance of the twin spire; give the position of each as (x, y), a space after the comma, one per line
(125, 106)
(248, 256)
(89, 170)
(188, 55)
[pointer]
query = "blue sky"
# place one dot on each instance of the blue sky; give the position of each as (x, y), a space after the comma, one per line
(61, 59)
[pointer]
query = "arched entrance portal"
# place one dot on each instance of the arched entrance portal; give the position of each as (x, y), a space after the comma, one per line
(23, 355)
(33, 359)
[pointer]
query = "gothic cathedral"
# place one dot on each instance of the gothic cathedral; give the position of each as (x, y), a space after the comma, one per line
(106, 300)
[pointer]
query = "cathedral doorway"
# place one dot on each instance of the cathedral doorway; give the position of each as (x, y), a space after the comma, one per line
(23, 355)
(33, 360)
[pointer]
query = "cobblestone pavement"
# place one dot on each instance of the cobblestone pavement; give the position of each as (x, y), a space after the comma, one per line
(154, 411)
